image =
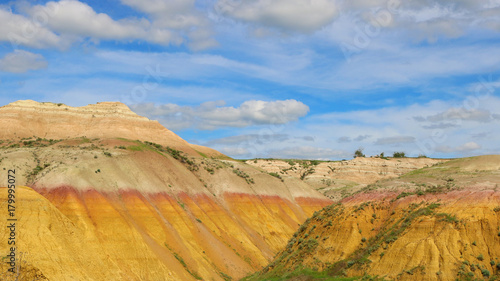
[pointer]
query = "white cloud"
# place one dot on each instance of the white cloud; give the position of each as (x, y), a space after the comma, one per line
(288, 15)
(22, 61)
(394, 140)
(213, 115)
(463, 114)
(396, 126)
(430, 20)
(170, 7)
(62, 23)
(76, 19)
(249, 138)
(309, 152)
(421, 20)
(179, 15)
(20, 30)
(234, 151)
(467, 147)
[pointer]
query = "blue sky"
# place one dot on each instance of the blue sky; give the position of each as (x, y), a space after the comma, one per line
(271, 78)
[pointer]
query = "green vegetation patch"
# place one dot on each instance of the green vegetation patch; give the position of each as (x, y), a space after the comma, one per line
(243, 175)
(307, 274)
(183, 263)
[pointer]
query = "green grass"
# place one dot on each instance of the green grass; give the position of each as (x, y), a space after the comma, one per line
(84, 140)
(447, 218)
(140, 147)
(202, 154)
(276, 175)
(183, 263)
(306, 272)
(243, 175)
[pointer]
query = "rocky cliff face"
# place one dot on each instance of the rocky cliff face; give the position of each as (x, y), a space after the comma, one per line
(93, 204)
(436, 223)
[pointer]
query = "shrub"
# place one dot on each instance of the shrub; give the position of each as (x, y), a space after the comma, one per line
(485, 273)
(314, 162)
(359, 153)
(480, 257)
(306, 173)
(398, 155)
(276, 175)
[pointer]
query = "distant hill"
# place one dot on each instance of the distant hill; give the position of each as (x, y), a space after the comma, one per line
(339, 179)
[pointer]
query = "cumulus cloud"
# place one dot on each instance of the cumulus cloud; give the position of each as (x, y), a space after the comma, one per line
(73, 18)
(394, 140)
(213, 115)
(423, 20)
(309, 152)
(22, 61)
(179, 15)
(20, 30)
(60, 24)
(467, 147)
(290, 15)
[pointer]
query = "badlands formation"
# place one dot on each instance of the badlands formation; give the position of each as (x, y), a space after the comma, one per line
(339, 179)
(437, 223)
(104, 194)
(27, 118)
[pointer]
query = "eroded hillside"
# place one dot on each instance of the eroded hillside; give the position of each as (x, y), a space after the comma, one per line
(339, 179)
(104, 194)
(27, 118)
(150, 212)
(436, 223)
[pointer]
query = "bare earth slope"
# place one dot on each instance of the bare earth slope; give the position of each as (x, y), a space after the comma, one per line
(111, 208)
(436, 223)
